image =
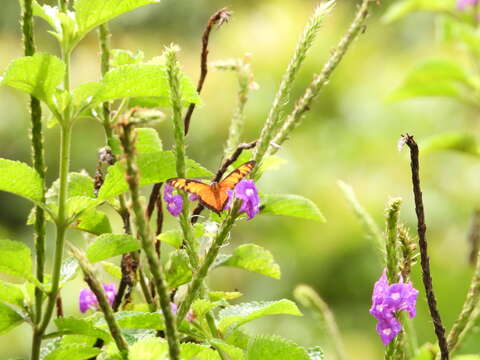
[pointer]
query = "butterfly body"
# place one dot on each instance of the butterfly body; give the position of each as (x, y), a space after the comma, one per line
(215, 195)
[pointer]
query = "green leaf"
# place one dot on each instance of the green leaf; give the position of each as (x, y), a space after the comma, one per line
(426, 352)
(140, 320)
(94, 222)
(143, 80)
(11, 294)
(154, 168)
(9, 319)
(109, 245)
(253, 258)
(148, 141)
(223, 295)
(121, 57)
(37, 75)
(201, 306)
(455, 141)
(68, 271)
(400, 9)
(435, 78)
(112, 269)
(86, 327)
(175, 237)
(290, 205)
(177, 269)
(236, 315)
(274, 347)
(148, 349)
(467, 357)
(15, 259)
(92, 13)
(73, 352)
(232, 351)
(316, 353)
(20, 179)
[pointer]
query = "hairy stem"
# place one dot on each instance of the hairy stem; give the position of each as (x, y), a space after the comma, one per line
(393, 268)
(38, 158)
(104, 38)
(425, 261)
(282, 98)
(320, 80)
(146, 239)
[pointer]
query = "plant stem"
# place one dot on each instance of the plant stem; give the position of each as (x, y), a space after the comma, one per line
(320, 80)
(199, 276)
(96, 287)
(309, 298)
(104, 38)
(282, 98)
(393, 269)
(471, 302)
(38, 159)
(425, 261)
(147, 240)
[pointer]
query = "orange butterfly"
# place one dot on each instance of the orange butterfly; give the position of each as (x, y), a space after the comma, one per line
(213, 196)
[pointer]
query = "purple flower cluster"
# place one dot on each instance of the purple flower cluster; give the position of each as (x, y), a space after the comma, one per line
(174, 202)
(247, 192)
(387, 301)
(463, 4)
(88, 300)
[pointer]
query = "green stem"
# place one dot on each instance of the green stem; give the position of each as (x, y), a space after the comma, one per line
(38, 159)
(198, 278)
(393, 268)
(104, 38)
(148, 241)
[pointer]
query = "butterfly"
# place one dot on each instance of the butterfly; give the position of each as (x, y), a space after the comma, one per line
(215, 195)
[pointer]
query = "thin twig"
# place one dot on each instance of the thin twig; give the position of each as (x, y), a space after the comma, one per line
(425, 261)
(474, 237)
(221, 17)
(59, 305)
(152, 201)
(221, 171)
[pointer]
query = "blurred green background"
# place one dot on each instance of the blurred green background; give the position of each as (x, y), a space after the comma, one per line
(350, 134)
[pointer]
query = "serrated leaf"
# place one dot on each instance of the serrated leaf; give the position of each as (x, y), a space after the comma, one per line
(154, 168)
(142, 80)
(253, 258)
(233, 352)
(274, 347)
(20, 179)
(290, 205)
(201, 306)
(147, 141)
(435, 78)
(316, 353)
(37, 75)
(86, 327)
(94, 222)
(175, 237)
(455, 141)
(177, 269)
(9, 318)
(92, 13)
(125, 57)
(11, 294)
(15, 259)
(109, 245)
(73, 352)
(112, 269)
(223, 295)
(236, 315)
(148, 349)
(140, 320)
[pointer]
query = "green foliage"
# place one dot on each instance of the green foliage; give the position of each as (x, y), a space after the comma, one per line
(72, 325)
(9, 318)
(73, 352)
(253, 258)
(140, 320)
(290, 205)
(112, 269)
(11, 294)
(274, 347)
(436, 78)
(154, 168)
(236, 315)
(201, 306)
(148, 141)
(94, 222)
(316, 353)
(121, 57)
(109, 245)
(20, 179)
(175, 237)
(15, 259)
(38, 75)
(177, 269)
(223, 295)
(455, 141)
(402, 8)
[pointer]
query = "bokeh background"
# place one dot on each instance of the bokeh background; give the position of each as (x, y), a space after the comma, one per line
(350, 134)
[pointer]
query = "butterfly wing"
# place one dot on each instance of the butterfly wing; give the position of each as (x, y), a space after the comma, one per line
(233, 179)
(206, 193)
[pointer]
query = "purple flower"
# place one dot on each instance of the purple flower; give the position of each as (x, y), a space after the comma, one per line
(248, 193)
(463, 4)
(192, 197)
(88, 300)
(190, 315)
(174, 202)
(387, 301)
